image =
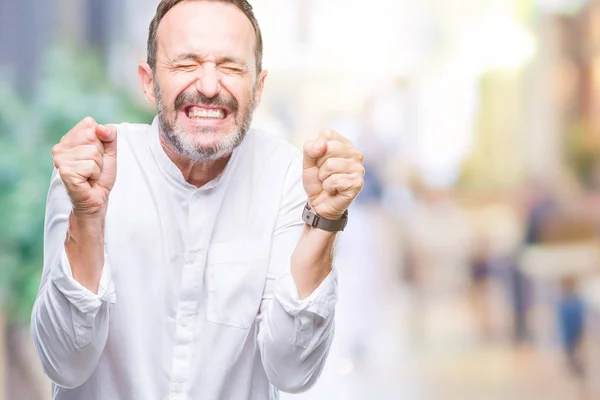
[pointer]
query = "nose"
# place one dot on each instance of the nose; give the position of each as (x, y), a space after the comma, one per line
(208, 82)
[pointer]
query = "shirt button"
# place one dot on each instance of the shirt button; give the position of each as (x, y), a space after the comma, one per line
(178, 387)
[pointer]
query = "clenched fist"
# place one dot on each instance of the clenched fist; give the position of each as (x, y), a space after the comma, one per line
(333, 174)
(86, 159)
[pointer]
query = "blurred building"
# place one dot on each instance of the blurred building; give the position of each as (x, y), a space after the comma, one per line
(29, 25)
(577, 84)
(34, 26)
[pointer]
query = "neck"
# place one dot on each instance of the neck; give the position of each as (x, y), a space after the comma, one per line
(196, 173)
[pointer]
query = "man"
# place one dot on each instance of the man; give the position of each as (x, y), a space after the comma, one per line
(188, 271)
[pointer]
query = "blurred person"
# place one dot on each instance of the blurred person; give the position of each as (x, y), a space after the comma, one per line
(498, 233)
(480, 268)
(208, 273)
(540, 206)
(481, 260)
(440, 243)
(571, 315)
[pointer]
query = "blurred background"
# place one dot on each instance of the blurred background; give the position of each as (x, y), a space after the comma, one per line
(470, 268)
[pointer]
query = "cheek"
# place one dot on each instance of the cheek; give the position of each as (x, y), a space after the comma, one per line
(240, 89)
(172, 85)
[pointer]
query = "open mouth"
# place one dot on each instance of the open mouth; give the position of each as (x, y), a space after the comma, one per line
(198, 113)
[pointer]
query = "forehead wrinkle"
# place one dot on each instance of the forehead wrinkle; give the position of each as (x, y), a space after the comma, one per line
(169, 24)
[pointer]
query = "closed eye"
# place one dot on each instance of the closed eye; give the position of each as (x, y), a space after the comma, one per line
(186, 67)
(232, 69)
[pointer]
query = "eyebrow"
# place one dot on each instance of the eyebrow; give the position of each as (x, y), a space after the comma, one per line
(219, 60)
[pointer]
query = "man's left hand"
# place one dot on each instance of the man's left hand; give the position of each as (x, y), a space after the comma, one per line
(333, 174)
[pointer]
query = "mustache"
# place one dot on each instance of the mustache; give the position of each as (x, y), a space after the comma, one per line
(199, 98)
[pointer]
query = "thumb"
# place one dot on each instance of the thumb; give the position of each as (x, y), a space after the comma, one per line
(313, 150)
(108, 135)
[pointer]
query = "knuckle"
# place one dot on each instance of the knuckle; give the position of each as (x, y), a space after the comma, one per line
(359, 156)
(323, 176)
(88, 122)
(79, 166)
(89, 136)
(56, 156)
(63, 172)
(55, 150)
(324, 168)
(337, 146)
(327, 133)
(92, 151)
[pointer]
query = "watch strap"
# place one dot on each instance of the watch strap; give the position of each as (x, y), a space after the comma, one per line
(316, 221)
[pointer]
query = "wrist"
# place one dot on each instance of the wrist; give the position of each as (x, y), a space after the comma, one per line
(87, 215)
(86, 229)
(84, 246)
(318, 233)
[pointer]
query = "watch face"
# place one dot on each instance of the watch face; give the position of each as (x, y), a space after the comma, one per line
(308, 217)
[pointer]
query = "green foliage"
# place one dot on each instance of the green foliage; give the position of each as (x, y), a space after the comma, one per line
(73, 86)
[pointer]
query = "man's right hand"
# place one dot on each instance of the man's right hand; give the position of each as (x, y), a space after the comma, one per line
(86, 159)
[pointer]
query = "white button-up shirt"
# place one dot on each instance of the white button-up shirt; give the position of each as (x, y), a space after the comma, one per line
(195, 299)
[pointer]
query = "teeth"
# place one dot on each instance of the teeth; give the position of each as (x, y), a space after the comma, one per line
(196, 112)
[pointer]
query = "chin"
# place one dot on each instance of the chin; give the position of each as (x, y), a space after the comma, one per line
(209, 146)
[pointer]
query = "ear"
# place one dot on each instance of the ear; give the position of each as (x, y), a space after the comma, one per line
(260, 85)
(147, 80)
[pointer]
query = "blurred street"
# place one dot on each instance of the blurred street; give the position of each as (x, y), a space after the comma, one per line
(393, 343)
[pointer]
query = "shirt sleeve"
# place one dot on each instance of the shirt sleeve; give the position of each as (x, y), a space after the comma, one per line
(69, 324)
(294, 335)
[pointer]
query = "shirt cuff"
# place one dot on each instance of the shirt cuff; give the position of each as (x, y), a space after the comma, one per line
(311, 313)
(321, 302)
(80, 297)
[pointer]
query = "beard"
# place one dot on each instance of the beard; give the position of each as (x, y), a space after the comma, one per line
(186, 143)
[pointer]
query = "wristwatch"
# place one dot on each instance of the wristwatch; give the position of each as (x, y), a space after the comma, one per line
(330, 225)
